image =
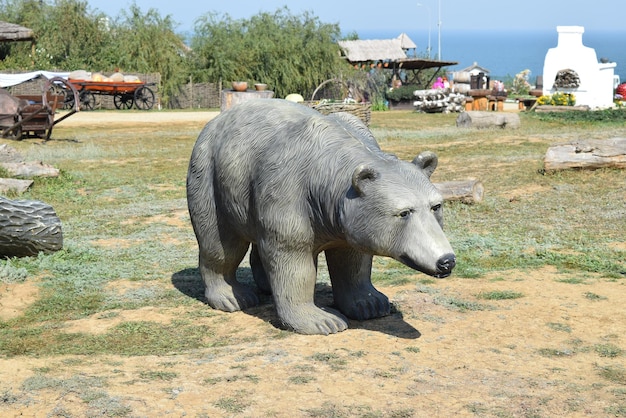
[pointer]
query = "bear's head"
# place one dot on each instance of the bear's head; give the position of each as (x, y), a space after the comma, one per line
(392, 209)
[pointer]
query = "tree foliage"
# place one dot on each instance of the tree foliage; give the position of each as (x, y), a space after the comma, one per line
(68, 35)
(147, 43)
(292, 54)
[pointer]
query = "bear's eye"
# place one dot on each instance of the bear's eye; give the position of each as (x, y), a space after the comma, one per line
(405, 213)
(435, 208)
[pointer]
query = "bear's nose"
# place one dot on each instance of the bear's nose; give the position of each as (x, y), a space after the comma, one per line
(445, 264)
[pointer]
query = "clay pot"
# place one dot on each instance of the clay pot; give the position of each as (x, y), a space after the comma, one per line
(260, 87)
(240, 86)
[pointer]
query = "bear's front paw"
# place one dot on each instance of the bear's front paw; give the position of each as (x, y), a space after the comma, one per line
(231, 298)
(364, 305)
(309, 319)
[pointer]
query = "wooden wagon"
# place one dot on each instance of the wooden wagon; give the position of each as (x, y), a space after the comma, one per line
(30, 116)
(125, 94)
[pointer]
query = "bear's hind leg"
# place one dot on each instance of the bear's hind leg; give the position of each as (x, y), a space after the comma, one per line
(218, 271)
(350, 273)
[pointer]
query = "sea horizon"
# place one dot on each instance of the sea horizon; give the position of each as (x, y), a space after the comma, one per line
(506, 52)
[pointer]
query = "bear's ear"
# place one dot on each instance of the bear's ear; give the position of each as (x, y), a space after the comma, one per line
(362, 176)
(427, 161)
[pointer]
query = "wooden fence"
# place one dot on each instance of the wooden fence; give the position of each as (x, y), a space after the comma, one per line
(190, 95)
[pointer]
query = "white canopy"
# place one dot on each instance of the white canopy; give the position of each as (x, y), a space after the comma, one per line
(8, 80)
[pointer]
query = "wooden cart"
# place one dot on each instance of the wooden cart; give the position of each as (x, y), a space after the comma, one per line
(125, 94)
(30, 116)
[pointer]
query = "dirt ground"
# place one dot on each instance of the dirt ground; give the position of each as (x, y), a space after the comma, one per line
(540, 355)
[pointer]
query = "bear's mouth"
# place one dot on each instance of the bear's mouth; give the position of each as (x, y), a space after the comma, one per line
(406, 260)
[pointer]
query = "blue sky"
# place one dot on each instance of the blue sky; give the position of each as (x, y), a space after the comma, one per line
(400, 15)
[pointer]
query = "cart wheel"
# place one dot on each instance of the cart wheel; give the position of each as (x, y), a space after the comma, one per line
(68, 103)
(15, 134)
(144, 98)
(57, 86)
(123, 101)
(63, 98)
(87, 100)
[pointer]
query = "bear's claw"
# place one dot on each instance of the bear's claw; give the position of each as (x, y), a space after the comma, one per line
(309, 319)
(231, 299)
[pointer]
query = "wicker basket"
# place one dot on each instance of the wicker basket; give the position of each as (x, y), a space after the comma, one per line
(361, 110)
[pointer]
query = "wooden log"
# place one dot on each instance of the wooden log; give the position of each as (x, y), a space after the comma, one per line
(481, 120)
(30, 169)
(467, 191)
(589, 154)
(9, 154)
(15, 185)
(559, 109)
(28, 227)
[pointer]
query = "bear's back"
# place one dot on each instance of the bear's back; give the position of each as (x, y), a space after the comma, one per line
(277, 139)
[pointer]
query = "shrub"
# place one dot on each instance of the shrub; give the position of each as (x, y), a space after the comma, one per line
(557, 99)
(401, 93)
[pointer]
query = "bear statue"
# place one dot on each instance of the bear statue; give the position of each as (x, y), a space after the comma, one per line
(291, 182)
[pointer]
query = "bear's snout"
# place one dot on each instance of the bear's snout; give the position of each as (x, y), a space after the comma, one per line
(445, 264)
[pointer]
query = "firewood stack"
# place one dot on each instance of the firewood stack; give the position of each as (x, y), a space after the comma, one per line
(567, 79)
(438, 101)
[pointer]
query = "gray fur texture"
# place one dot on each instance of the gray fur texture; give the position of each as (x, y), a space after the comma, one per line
(293, 183)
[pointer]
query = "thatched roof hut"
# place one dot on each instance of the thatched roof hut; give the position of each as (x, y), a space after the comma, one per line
(394, 53)
(10, 32)
(377, 49)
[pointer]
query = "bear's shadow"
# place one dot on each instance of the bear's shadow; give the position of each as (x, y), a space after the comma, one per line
(189, 282)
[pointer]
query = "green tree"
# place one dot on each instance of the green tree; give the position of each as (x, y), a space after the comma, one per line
(147, 43)
(292, 54)
(68, 35)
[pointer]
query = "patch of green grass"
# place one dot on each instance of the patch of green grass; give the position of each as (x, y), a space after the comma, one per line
(608, 350)
(460, 305)
(618, 410)
(612, 373)
(301, 379)
(213, 380)
(605, 116)
(333, 360)
(9, 273)
(553, 352)
(500, 295)
(127, 338)
(557, 326)
(248, 377)
(89, 389)
(234, 405)
(594, 297)
(157, 375)
(389, 272)
(572, 280)
(332, 410)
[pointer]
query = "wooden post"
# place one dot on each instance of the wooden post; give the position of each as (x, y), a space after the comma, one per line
(488, 120)
(466, 191)
(15, 185)
(30, 169)
(589, 154)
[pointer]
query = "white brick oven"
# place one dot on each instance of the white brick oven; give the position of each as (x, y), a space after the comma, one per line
(572, 67)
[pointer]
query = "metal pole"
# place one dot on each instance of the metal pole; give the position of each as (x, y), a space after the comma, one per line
(439, 30)
(428, 8)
